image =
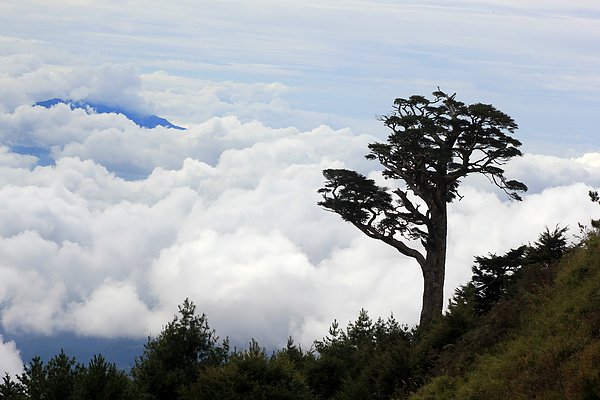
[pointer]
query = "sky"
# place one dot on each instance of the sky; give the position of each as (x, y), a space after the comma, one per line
(127, 222)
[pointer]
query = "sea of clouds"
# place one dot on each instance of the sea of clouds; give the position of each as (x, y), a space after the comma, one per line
(128, 221)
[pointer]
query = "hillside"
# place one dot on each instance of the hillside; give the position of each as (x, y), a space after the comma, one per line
(541, 343)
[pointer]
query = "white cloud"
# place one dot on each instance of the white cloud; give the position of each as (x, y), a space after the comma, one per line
(117, 302)
(540, 172)
(484, 222)
(350, 58)
(11, 160)
(223, 213)
(244, 239)
(10, 358)
(27, 78)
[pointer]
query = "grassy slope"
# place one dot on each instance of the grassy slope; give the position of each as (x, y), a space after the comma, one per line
(553, 352)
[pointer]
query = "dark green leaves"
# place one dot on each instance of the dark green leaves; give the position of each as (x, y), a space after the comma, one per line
(175, 357)
(432, 146)
(353, 196)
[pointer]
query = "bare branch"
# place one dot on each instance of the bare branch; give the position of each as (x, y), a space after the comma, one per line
(399, 245)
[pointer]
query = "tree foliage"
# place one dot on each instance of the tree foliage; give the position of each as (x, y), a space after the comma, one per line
(367, 360)
(175, 357)
(493, 275)
(433, 144)
(596, 199)
(252, 374)
(11, 390)
(61, 378)
(54, 380)
(101, 380)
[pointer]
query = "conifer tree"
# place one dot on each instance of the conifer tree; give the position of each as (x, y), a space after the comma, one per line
(174, 358)
(432, 146)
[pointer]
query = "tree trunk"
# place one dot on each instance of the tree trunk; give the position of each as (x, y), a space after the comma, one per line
(433, 286)
(434, 268)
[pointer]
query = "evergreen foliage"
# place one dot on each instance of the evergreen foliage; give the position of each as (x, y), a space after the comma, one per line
(61, 378)
(553, 347)
(432, 146)
(369, 360)
(252, 374)
(11, 390)
(596, 199)
(100, 380)
(175, 358)
(493, 275)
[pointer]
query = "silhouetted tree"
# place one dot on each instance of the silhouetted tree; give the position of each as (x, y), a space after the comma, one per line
(60, 375)
(174, 358)
(432, 146)
(11, 390)
(492, 276)
(550, 247)
(367, 360)
(34, 379)
(100, 380)
(252, 374)
(596, 199)
(52, 381)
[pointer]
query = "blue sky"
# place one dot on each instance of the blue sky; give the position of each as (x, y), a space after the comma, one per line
(271, 92)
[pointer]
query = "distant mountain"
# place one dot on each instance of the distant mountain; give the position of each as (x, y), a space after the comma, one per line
(144, 121)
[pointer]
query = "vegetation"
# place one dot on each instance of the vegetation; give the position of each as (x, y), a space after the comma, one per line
(174, 358)
(61, 378)
(551, 348)
(433, 144)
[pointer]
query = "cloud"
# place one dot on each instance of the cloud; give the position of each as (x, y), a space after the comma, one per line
(10, 359)
(540, 172)
(27, 78)
(117, 302)
(350, 58)
(243, 238)
(485, 222)
(110, 84)
(11, 160)
(131, 221)
(236, 278)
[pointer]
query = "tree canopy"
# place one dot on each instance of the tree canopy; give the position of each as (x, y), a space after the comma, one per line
(432, 145)
(175, 357)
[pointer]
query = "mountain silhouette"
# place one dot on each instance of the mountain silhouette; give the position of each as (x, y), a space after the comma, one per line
(142, 120)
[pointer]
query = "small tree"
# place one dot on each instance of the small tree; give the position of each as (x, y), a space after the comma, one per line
(60, 372)
(549, 247)
(367, 360)
(252, 374)
(173, 360)
(100, 380)
(433, 144)
(11, 390)
(54, 380)
(493, 275)
(596, 199)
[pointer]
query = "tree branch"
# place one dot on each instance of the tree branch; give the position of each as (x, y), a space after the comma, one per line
(399, 245)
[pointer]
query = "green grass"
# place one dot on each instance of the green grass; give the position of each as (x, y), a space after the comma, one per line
(553, 352)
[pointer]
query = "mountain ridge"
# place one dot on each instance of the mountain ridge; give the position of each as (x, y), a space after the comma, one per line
(140, 119)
